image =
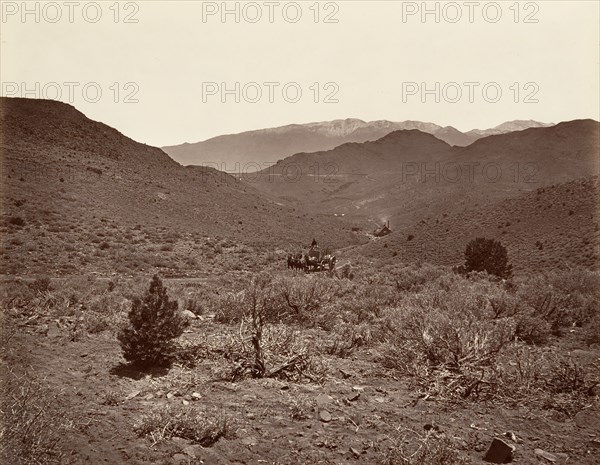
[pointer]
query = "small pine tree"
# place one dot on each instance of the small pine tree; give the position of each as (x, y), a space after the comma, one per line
(154, 321)
(487, 255)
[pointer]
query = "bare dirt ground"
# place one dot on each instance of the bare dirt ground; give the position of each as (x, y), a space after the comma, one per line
(362, 413)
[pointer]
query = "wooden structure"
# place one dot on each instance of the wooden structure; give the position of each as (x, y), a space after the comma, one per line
(383, 231)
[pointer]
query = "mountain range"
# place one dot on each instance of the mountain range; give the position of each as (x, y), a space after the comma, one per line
(408, 176)
(79, 195)
(254, 150)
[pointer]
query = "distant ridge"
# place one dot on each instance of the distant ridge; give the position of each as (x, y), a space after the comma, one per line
(265, 146)
(408, 175)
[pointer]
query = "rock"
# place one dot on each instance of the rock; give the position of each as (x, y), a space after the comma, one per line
(149, 396)
(431, 427)
(181, 442)
(324, 416)
(192, 451)
(323, 399)
(345, 374)
(358, 388)
(546, 455)
(180, 458)
(249, 441)
(587, 419)
(132, 395)
(53, 330)
(381, 400)
(189, 314)
(499, 452)
(557, 416)
(185, 402)
(510, 435)
(354, 397)
(170, 395)
(355, 452)
(196, 396)
(474, 426)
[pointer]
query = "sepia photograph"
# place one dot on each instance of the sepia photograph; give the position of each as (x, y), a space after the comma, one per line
(299, 232)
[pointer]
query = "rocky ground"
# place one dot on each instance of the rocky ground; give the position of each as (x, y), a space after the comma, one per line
(361, 413)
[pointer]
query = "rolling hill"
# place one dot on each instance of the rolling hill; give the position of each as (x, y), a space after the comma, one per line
(408, 176)
(553, 227)
(254, 149)
(76, 193)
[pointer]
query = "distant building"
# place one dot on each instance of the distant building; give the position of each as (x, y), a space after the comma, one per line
(383, 231)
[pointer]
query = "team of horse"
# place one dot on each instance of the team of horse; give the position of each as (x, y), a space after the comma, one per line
(311, 262)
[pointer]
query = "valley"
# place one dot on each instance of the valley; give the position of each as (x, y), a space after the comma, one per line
(395, 354)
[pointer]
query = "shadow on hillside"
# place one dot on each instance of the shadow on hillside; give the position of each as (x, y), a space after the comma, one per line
(131, 371)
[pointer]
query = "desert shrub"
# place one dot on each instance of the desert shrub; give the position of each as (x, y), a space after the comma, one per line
(302, 299)
(346, 338)
(96, 322)
(522, 370)
(346, 272)
(592, 331)
(564, 298)
(302, 407)
(567, 376)
(367, 298)
(264, 348)
(412, 278)
(41, 284)
(283, 353)
(487, 255)
(200, 427)
(298, 300)
(112, 398)
(230, 307)
(546, 378)
(32, 427)
(533, 329)
(505, 304)
(447, 341)
(154, 322)
(15, 295)
(277, 350)
(430, 448)
(104, 312)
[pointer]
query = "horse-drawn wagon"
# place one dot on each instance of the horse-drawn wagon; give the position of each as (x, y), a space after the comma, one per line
(313, 260)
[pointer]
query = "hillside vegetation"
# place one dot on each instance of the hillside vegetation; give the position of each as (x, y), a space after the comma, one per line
(77, 194)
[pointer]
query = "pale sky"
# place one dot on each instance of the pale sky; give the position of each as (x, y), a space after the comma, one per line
(377, 57)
